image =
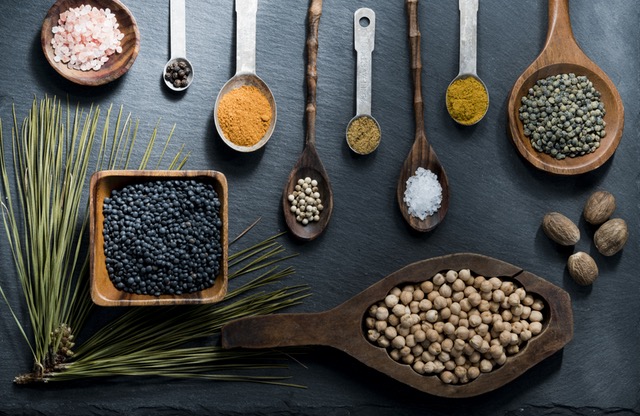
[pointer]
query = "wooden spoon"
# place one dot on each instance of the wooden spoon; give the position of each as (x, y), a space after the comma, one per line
(562, 54)
(309, 163)
(342, 327)
(421, 154)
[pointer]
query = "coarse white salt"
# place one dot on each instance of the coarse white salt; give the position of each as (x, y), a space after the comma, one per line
(423, 195)
(85, 37)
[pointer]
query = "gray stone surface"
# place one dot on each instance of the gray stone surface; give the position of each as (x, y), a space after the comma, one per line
(498, 200)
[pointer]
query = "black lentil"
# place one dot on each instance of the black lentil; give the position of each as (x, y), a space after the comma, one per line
(163, 237)
(563, 116)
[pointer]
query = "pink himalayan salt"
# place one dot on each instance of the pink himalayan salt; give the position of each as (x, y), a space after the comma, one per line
(85, 37)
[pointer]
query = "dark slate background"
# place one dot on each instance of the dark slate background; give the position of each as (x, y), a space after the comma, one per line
(498, 200)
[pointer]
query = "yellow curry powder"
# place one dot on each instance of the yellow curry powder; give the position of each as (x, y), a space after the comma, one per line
(467, 100)
(244, 115)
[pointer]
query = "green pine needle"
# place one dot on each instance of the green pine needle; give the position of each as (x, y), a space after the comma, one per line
(46, 219)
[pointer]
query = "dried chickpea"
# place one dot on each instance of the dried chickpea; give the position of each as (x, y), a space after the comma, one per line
(451, 276)
(391, 301)
(473, 373)
(418, 295)
(406, 297)
(426, 286)
(458, 285)
(438, 279)
(486, 366)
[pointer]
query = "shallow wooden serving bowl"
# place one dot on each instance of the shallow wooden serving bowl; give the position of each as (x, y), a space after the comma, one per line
(118, 63)
(103, 292)
(343, 328)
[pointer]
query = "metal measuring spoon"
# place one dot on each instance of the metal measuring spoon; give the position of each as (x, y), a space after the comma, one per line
(178, 44)
(468, 51)
(364, 30)
(246, 70)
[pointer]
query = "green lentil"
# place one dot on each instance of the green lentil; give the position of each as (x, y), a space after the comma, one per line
(563, 115)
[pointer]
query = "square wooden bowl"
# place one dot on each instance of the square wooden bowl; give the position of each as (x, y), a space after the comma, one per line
(103, 291)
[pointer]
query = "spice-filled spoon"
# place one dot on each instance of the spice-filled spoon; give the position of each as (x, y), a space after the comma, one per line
(309, 164)
(343, 327)
(421, 154)
(178, 71)
(467, 97)
(561, 54)
(245, 91)
(363, 131)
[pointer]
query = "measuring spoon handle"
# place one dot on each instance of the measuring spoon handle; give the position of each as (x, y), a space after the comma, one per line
(468, 36)
(246, 11)
(177, 28)
(364, 43)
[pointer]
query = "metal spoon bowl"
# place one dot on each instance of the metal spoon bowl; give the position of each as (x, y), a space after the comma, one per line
(241, 80)
(464, 76)
(189, 77)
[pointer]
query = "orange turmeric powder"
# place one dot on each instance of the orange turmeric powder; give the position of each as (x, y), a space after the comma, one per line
(244, 115)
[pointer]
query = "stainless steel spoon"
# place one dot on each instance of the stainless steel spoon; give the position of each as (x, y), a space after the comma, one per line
(468, 50)
(178, 43)
(364, 30)
(246, 71)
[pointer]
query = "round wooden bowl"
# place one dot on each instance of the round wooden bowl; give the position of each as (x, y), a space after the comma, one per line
(118, 63)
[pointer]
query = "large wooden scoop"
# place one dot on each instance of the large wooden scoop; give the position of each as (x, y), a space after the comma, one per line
(342, 327)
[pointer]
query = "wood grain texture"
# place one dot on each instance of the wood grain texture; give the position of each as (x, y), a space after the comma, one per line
(421, 153)
(118, 63)
(342, 327)
(309, 163)
(562, 54)
(103, 292)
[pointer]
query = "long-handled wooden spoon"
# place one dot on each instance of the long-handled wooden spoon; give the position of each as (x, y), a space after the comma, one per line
(561, 54)
(343, 328)
(421, 154)
(309, 163)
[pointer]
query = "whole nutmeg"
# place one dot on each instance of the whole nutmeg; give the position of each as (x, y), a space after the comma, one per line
(560, 229)
(611, 236)
(599, 207)
(582, 268)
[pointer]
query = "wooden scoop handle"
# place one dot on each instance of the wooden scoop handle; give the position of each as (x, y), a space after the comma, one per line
(315, 11)
(283, 330)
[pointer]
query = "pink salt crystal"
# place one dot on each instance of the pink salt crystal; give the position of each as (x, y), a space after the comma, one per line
(85, 37)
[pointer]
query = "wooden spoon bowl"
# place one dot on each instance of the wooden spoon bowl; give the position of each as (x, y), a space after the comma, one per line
(308, 165)
(118, 63)
(342, 327)
(562, 54)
